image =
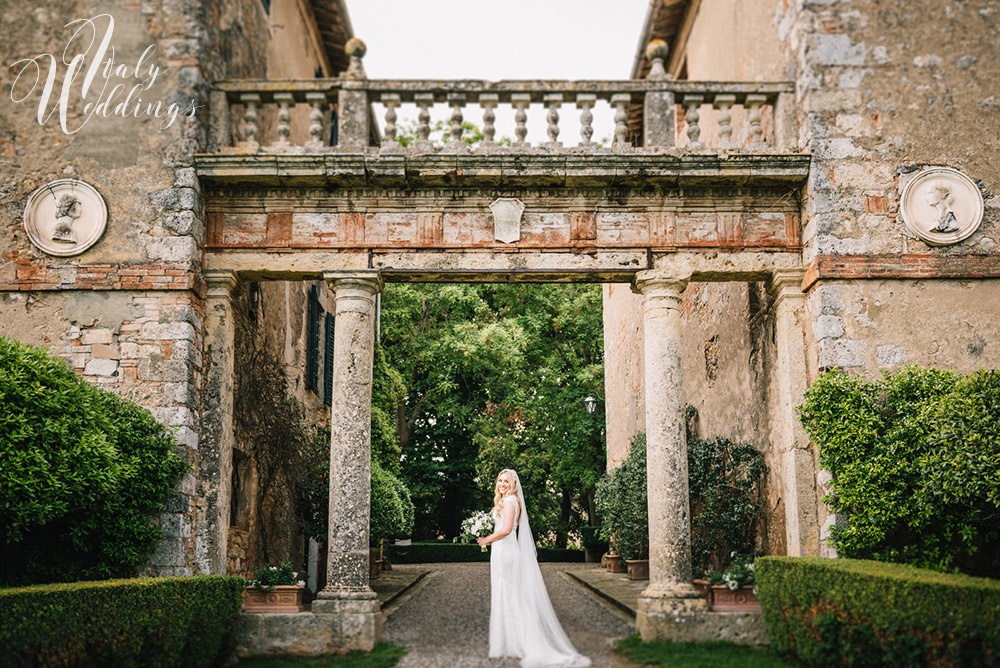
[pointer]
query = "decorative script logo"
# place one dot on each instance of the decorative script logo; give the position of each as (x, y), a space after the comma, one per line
(108, 88)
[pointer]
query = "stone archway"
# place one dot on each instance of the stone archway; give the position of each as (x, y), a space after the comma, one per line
(644, 230)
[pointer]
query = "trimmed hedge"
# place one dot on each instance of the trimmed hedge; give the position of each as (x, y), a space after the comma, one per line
(436, 553)
(163, 622)
(837, 612)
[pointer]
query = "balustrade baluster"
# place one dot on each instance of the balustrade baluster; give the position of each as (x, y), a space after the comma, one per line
(620, 102)
(457, 101)
(390, 101)
(251, 129)
(754, 106)
(585, 103)
(553, 101)
(489, 102)
(692, 103)
(424, 101)
(724, 103)
(285, 102)
(520, 102)
(316, 119)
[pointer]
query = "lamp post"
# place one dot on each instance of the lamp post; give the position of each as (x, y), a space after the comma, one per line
(590, 403)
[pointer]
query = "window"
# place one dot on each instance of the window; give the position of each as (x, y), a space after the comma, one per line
(328, 362)
(312, 340)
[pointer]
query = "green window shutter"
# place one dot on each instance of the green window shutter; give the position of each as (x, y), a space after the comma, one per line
(312, 341)
(328, 362)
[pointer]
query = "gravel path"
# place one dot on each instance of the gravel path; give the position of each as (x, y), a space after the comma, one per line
(446, 622)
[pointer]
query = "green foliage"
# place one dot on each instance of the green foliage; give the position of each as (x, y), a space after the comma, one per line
(736, 576)
(433, 552)
(383, 656)
(621, 502)
(182, 622)
(389, 512)
(725, 483)
(915, 461)
(696, 655)
(82, 472)
(267, 577)
(388, 390)
(827, 612)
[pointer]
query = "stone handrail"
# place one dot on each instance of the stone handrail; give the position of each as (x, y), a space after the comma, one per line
(340, 116)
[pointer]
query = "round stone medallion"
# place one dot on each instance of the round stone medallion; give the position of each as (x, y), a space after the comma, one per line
(65, 217)
(941, 206)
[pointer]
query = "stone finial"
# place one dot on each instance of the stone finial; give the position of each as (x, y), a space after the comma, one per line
(656, 52)
(355, 50)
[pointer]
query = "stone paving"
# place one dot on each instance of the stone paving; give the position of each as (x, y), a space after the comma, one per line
(444, 620)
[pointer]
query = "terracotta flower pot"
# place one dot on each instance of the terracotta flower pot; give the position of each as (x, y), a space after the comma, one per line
(282, 598)
(724, 599)
(638, 569)
(374, 562)
(615, 563)
(701, 586)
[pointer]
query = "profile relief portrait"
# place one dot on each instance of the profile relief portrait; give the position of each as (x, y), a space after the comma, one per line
(68, 209)
(939, 196)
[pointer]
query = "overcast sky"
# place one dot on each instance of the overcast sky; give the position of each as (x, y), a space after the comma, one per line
(515, 39)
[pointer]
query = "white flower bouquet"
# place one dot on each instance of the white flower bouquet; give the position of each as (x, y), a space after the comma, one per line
(477, 526)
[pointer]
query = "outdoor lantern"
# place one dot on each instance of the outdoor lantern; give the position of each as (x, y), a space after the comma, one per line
(590, 403)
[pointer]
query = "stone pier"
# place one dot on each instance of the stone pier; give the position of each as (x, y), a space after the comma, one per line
(348, 601)
(215, 452)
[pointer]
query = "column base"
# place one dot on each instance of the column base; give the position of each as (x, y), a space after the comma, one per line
(678, 613)
(355, 617)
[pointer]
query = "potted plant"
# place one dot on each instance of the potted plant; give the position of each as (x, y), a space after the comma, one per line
(274, 589)
(733, 590)
(594, 546)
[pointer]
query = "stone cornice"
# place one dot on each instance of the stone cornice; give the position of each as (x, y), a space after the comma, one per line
(499, 170)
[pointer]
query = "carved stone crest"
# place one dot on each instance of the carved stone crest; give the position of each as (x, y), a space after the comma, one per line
(65, 217)
(941, 206)
(507, 219)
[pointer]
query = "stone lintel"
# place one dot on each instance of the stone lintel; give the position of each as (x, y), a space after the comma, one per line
(662, 167)
(486, 266)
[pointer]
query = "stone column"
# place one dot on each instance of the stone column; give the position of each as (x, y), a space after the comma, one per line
(670, 596)
(352, 101)
(798, 466)
(215, 449)
(347, 597)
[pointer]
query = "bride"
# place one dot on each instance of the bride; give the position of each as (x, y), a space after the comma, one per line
(522, 621)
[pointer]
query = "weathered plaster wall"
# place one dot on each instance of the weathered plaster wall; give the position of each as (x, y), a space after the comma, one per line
(624, 404)
(749, 32)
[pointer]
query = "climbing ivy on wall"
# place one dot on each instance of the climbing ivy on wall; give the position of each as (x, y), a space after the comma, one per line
(915, 460)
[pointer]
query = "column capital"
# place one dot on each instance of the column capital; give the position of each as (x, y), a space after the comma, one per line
(220, 282)
(653, 281)
(370, 281)
(786, 283)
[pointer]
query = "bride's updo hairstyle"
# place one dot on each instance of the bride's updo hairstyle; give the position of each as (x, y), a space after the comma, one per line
(511, 490)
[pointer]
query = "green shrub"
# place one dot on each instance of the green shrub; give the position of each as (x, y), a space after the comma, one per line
(621, 502)
(915, 462)
(82, 472)
(725, 481)
(441, 552)
(837, 612)
(182, 622)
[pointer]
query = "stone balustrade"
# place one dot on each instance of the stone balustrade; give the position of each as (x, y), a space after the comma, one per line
(657, 114)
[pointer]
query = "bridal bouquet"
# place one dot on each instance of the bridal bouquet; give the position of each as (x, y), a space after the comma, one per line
(477, 526)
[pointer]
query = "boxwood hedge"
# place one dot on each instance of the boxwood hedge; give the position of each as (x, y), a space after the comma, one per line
(849, 612)
(163, 622)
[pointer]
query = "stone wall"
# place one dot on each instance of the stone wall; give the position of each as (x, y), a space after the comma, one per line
(128, 313)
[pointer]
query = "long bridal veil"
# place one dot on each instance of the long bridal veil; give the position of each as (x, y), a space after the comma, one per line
(544, 642)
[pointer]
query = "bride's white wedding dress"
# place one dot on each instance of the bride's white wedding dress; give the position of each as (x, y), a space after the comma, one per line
(522, 621)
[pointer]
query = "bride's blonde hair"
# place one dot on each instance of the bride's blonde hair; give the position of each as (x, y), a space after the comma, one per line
(511, 491)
